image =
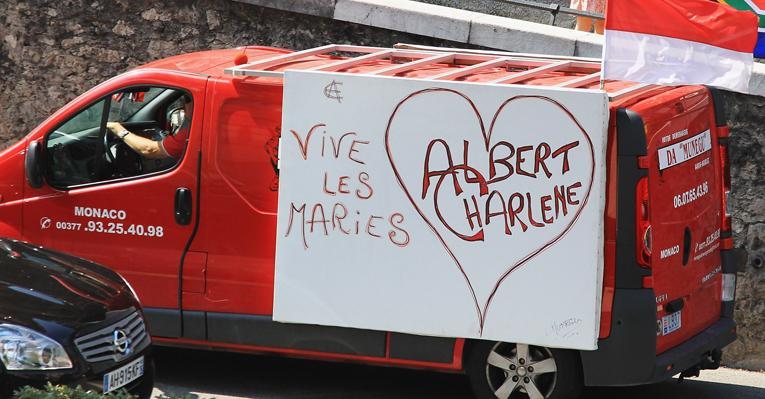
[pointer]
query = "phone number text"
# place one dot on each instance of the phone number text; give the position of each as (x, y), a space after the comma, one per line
(114, 228)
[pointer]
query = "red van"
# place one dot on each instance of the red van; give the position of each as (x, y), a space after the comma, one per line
(195, 233)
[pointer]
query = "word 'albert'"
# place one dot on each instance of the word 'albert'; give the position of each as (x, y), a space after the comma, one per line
(513, 160)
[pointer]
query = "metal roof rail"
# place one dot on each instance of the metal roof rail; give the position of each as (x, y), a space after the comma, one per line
(406, 57)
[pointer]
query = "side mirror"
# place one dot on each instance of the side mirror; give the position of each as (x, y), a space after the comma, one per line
(176, 118)
(32, 166)
(137, 97)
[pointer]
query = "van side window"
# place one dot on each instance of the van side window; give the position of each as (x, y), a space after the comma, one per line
(93, 146)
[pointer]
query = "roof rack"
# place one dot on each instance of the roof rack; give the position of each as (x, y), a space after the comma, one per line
(406, 57)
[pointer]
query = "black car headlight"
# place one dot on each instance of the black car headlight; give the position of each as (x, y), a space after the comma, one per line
(25, 349)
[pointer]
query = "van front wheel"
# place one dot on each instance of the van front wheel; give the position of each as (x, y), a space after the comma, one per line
(513, 371)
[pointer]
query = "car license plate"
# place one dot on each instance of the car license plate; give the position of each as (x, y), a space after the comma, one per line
(670, 323)
(123, 375)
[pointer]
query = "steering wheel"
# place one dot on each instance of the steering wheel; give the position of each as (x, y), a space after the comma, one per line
(124, 160)
(110, 144)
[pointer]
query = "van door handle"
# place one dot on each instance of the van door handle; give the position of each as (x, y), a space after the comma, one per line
(674, 306)
(183, 206)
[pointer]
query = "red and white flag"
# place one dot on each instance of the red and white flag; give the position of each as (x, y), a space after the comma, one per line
(679, 42)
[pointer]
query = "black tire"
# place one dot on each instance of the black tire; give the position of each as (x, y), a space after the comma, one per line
(144, 389)
(558, 374)
(6, 390)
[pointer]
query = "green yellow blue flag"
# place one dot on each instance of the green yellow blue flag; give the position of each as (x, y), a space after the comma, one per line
(757, 7)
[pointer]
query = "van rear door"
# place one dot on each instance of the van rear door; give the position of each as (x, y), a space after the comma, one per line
(683, 204)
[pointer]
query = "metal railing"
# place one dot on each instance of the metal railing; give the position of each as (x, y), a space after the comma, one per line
(553, 8)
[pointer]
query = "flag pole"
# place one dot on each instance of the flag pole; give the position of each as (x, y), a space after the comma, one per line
(603, 53)
(603, 63)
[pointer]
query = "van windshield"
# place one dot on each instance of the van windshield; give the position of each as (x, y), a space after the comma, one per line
(125, 105)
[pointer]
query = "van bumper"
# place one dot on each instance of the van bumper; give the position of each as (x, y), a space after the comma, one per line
(700, 352)
(628, 355)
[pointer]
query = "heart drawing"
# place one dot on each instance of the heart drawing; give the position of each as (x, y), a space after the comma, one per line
(498, 197)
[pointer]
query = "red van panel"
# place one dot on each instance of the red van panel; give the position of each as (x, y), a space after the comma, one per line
(684, 208)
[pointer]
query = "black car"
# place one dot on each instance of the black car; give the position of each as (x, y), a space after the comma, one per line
(69, 321)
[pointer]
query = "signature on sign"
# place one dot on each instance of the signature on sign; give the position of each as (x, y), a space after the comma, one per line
(567, 328)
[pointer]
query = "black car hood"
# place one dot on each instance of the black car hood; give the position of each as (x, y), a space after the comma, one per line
(38, 284)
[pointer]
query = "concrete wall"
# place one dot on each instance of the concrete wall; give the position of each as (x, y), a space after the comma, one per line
(52, 51)
(505, 9)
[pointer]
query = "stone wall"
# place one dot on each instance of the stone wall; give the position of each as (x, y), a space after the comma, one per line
(50, 51)
(746, 116)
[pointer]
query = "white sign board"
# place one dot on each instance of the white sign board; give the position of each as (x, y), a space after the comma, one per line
(685, 150)
(442, 208)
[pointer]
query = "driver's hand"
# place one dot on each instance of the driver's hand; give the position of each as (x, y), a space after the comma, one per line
(114, 127)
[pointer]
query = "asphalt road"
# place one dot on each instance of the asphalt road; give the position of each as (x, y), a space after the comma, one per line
(200, 374)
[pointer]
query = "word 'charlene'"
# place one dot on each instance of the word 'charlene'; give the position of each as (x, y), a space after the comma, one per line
(521, 209)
